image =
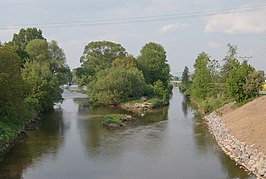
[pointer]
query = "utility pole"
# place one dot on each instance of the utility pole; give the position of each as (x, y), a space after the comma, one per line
(245, 57)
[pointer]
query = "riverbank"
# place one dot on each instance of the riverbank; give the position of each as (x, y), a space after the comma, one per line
(15, 130)
(142, 105)
(241, 134)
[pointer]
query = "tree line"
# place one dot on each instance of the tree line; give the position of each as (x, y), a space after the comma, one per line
(112, 75)
(31, 72)
(212, 85)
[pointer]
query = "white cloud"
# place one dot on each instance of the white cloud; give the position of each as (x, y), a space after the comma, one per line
(214, 45)
(172, 27)
(237, 22)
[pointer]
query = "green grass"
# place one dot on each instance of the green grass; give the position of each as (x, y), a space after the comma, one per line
(115, 118)
(156, 102)
(10, 128)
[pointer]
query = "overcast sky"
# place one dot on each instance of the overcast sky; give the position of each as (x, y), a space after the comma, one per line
(182, 35)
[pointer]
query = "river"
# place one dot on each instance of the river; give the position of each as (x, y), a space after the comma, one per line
(71, 142)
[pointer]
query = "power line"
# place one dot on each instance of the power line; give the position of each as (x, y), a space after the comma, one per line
(140, 19)
(245, 57)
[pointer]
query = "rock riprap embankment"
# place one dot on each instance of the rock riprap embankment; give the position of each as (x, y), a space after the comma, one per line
(245, 155)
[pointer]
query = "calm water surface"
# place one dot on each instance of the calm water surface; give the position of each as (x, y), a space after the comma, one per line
(71, 142)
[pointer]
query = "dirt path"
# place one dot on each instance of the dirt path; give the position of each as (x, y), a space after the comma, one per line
(248, 123)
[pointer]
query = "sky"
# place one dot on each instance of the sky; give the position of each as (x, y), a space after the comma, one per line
(183, 28)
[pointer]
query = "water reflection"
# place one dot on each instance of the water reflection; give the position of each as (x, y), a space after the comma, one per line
(46, 141)
(185, 105)
(105, 144)
(206, 144)
(172, 142)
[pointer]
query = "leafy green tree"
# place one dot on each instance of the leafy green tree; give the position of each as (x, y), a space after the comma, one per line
(229, 61)
(58, 64)
(12, 86)
(253, 84)
(21, 40)
(125, 62)
(82, 76)
(115, 84)
(98, 56)
(153, 64)
(160, 91)
(38, 50)
(201, 78)
(42, 51)
(244, 82)
(185, 76)
(43, 86)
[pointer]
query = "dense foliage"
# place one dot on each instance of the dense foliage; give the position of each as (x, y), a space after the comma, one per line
(12, 86)
(31, 72)
(113, 76)
(21, 40)
(152, 63)
(211, 88)
(97, 56)
(113, 85)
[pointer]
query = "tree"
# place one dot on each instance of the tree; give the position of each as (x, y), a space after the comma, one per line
(42, 51)
(38, 50)
(229, 61)
(98, 56)
(115, 84)
(125, 62)
(43, 87)
(21, 40)
(244, 82)
(202, 77)
(153, 64)
(58, 64)
(253, 84)
(12, 86)
(185, 76)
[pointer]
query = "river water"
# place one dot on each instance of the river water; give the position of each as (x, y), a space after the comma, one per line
(70, 142)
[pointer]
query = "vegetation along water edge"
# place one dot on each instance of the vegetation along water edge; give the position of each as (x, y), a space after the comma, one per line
(32, 70)
(213, 87)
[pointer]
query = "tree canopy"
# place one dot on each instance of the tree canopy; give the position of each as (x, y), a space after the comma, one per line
(202, 77)
(153, 64)
(212, 88)
(98, 56)
(115, 84)
(21, 40)
(12, 86)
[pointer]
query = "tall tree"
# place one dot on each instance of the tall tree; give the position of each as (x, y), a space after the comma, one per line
(38, 50)
(202, 77)
(244, 82)
(98, 56)
(43, 86)
(42, 51)
(229, 61)
(12, 86)
(153, 64)
(185, 76)
(21, 40)
(58, 64)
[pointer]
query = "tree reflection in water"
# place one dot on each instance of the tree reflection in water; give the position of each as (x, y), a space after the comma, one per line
(205, 143)
(45, 141)
(102, 143)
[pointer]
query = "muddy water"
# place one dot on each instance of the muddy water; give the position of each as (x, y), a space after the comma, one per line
(70, 142)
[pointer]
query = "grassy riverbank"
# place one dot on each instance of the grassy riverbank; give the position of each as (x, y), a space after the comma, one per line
(10, 129)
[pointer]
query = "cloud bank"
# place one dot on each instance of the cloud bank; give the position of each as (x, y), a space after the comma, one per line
(237, 22)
